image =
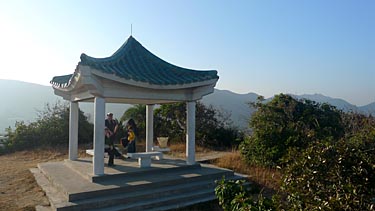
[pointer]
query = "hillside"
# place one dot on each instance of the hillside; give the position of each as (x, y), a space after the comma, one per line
(339, 103)
(368, 109)
(233, 104)
(22, 100)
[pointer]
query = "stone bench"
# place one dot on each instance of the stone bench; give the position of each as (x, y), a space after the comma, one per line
(91, 152)
(144, 158)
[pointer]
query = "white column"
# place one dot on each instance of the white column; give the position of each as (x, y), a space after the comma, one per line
(149, 127)
(99, 115)
(190, 133)
(73, 131)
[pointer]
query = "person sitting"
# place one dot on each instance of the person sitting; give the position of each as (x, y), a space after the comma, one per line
(132, 135)
(111, 126)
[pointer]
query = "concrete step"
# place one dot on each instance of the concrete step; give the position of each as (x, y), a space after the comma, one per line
(169, 197)
(54, 195)
(137, 190)
(184, 203)
(172, 201)
(164, 179)
(179, 201)
(60, 177)
(139, 196)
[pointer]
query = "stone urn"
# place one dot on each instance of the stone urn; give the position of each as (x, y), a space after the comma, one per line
(163, 142)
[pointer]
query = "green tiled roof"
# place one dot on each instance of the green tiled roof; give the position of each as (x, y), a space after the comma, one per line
(134, 62)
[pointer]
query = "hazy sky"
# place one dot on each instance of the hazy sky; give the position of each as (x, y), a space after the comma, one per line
(266, 47)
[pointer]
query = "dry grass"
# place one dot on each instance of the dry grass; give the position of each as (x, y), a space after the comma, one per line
(268, 178)
(179, 150)
(18, 188)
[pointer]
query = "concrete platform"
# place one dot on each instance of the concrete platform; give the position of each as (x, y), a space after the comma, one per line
(171, 183)
(83, 166)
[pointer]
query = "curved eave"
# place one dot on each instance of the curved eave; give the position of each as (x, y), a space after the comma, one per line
(66, 85)
(132, 82)
(170, 75)
(79, 78)
(61, 81)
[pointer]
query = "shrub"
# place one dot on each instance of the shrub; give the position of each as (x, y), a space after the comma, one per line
(327, 157)
(50, 129)
(285, 123)
(331, 175)
(233, 195)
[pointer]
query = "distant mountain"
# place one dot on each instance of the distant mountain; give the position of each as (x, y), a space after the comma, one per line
(237, 104)
(339, 103)
(21, 101)
(368, 109)
(233, 104)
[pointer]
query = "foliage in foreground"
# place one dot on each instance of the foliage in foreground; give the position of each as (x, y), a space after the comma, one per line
(233, 195)
(334, 174)
(286, 123)
(327, 157)
(331, 175)
(50, 129)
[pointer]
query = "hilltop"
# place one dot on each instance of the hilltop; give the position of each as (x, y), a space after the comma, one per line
(22, 101)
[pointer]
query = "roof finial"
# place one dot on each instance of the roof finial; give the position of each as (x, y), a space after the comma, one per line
(131, 29)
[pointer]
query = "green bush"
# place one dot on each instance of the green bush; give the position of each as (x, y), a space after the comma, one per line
(327, 157)
(233, 195)
(331, 175)
(50, 129)
(285, 123)
(334, 174)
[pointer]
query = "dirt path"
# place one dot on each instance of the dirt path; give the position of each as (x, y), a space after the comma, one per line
(18, 188)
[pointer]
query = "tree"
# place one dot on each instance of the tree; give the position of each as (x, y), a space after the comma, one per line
(285, 123)
(170, 121)
(50, 129)
(327, 157)
(212, 129)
